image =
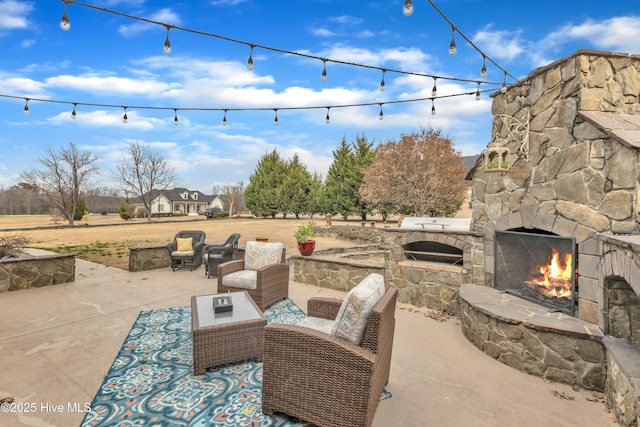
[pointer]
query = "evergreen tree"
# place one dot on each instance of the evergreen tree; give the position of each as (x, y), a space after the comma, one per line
(316, 199)
(263, 193)
(295, 188)
(336, 189)
(363, 154)
(126, 209)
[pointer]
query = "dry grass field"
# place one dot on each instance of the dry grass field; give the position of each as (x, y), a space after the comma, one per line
(107, 239)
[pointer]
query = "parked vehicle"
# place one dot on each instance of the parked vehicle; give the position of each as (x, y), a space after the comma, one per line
(210, 212)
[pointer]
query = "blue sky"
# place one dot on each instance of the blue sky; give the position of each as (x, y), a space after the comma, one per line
(106, 58)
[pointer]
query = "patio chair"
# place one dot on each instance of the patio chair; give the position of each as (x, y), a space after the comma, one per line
(216, 254)
(186, 249)
(320, 370)
(263, 273)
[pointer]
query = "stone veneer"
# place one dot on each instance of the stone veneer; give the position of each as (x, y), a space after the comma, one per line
(36, 271)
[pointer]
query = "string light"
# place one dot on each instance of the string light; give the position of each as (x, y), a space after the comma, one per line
(327, 119)
(408, 8)
(478, 93)
(73, 113)
(382, 81)
(433, 107)
(287, 52)
(381, 116)
(275, 120)
(250, 60)
(452, 45)
(225, 110)
(434, 90)
(175, 116)
(503, 89)
(26, 106)
(167, 43)
(224, 118)
(324, 71)
(483, 72)
(64, 21)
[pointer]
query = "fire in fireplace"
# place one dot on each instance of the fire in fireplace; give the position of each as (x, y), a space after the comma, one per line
(538, 267)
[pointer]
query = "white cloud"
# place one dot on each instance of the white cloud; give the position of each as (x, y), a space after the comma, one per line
(106, 118)
(506, 45)
(27, 43)
(322, 32)
(166, 16)
(13, 14)
(110, 84)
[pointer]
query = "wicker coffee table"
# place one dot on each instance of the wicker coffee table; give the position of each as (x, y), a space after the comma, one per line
(225, 337)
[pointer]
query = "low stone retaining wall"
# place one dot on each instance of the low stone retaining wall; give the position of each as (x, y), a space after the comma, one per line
(622, 386)
(143, 258)
(36, 271)
(532, 339)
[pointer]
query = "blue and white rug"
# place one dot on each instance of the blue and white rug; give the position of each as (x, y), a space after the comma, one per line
(151, 381)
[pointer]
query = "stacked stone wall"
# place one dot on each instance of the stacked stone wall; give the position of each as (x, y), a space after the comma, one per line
(34, 272)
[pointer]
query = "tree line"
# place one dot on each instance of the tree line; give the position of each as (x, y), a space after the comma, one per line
(420, 174)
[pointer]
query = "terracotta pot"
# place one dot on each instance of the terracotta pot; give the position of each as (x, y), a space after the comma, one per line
(307, 248)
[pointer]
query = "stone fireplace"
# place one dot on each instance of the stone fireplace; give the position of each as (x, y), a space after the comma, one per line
(562, 165)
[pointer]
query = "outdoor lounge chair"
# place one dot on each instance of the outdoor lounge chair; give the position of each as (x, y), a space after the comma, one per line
(312, 372)
(216, 254)
(263, 273)
(186, 249)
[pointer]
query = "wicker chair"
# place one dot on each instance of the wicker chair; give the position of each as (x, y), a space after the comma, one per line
(186, 257)
(323, 379)
(263, 273)
(216, 254)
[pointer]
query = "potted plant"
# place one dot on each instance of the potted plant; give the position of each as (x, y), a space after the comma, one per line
(304, 236)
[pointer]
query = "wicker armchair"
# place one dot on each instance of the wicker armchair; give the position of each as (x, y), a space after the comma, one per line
(263, 273)
(323, 379)
(190, 256)
(216, 254)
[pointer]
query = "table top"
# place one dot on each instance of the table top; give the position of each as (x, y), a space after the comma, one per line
(244, 309)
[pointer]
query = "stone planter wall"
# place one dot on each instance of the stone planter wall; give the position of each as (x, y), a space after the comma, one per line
(34, 272)
(143, 258)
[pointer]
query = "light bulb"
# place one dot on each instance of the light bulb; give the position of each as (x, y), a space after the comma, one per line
(175, 117)
(125, 119)
(26, 107)
(408, 8)
(275, 121)
(434, 90)
(381, 116)
(64, 21)
(452, 45)
(224, 118)
(433, 108)
(382, 82)
(73, 113)
(324, 72)
(503, 89)
(478, 96)
(327, 119)
(483, 72)
(167, 43)
(250, 60)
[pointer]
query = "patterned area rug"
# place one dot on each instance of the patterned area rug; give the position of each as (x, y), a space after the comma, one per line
(151, 381)
(151, 384)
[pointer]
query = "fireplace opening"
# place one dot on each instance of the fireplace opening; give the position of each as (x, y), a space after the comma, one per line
(539, 267)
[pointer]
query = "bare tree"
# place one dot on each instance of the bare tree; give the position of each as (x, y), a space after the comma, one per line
(143, 173)
(63, 178)
(231, 195)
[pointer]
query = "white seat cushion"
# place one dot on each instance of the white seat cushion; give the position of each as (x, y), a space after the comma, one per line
(243, 279)
(357, 306)
(182, 253)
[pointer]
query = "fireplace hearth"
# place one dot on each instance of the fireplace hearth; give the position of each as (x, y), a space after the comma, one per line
(538, 267)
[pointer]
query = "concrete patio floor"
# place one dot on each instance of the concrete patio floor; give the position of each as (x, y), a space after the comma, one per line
(58, 342)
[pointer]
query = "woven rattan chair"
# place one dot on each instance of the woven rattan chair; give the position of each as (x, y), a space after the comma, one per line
(263, 273)
(216, 254)
(186, 257)
(323, 379)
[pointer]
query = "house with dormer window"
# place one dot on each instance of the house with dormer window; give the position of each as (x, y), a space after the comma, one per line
(180, 201)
